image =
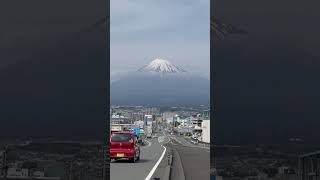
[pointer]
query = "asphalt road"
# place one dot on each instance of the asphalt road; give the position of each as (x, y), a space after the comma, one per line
(195, 160)
(121, 170)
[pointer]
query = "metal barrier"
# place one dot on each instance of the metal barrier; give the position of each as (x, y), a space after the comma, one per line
(170, 158)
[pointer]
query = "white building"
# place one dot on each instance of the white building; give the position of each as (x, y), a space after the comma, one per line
(197, 132)
(121, 127)
(116, 128)
(148, 116)
(182, 121)
(139, 123)
(205, 126)
(117, 116)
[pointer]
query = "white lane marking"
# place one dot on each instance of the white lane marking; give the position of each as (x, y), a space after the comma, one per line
(149, 143)
(156, 165)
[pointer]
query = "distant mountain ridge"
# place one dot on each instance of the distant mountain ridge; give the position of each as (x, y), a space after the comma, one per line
(146, 88)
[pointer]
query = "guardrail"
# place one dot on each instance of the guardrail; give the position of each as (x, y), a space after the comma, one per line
(167, 171)
(170, 157)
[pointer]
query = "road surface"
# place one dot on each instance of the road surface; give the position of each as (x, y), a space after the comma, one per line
(150, 154)
(195, 159)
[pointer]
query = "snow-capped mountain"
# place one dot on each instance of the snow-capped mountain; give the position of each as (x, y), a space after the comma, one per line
(146, 87)
(162, 66)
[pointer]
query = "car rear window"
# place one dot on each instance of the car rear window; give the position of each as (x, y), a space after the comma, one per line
(121, 138)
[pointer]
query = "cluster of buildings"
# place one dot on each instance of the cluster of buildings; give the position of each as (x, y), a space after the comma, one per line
(138, 119)
(124, 118)
(195, 124)
(185, 121)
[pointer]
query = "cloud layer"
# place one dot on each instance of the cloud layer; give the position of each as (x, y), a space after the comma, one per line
(146, 29)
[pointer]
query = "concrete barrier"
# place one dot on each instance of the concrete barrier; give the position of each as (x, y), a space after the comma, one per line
(173, 162)
(166, 174)
(165, 171)
(178, 173)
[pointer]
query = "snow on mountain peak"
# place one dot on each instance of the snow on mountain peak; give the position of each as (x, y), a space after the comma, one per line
(162, 66)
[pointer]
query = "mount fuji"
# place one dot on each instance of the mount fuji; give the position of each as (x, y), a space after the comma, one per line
(162, 66)
(160, 83)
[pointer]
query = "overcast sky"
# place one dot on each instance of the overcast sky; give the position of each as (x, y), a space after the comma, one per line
(146, 29)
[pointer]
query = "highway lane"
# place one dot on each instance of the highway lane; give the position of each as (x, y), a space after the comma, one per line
(195, 160)
(121, 170)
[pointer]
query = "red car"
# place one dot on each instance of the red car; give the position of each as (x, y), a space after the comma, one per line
(124, 145)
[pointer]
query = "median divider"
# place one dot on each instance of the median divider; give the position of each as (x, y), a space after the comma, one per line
(164, 169)
(166, 174)
(167, 169)
(177, 171)
(171, 167)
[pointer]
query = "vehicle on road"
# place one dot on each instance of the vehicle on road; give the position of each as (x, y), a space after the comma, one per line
(149, 129)
(124, 145)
